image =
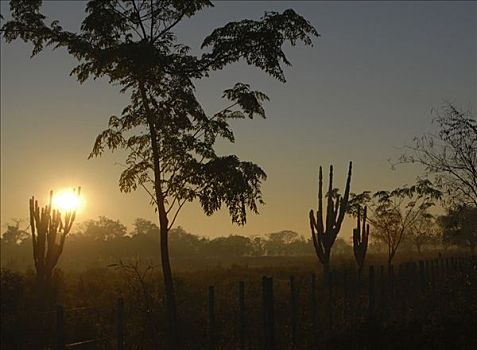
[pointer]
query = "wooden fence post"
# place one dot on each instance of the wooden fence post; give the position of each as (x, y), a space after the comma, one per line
(428, 273)
(293, 310)
(120, 324)
(415, 277)
(241, 315)
(268, 317)
(371, 294)
(60, 327)
(211, 322)
(422, 275)
(435, 271)
(313, 302)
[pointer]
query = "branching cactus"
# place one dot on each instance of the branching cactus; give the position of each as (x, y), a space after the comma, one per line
(360, 239)
(325, 231)
(48, 235)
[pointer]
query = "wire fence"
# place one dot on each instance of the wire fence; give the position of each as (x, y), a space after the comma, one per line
(293, 312)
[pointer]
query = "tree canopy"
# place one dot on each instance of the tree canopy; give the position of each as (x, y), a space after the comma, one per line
(168, 135)
(393, 214)
(132, 43)
(459, 226)
(450, 155)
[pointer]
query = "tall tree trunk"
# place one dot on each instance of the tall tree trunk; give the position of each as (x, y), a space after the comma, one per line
(419, 249)
(169, 288)
(326, 270)
(163, 224)
(390, 262)
(391, 252)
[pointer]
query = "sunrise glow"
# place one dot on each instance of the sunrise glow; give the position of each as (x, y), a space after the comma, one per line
(67, 200)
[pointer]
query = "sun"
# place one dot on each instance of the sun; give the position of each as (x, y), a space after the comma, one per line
(66, 201)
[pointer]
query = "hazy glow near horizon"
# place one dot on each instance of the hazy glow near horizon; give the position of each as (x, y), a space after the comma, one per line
(67, 200)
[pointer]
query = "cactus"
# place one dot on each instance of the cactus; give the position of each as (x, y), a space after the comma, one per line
(324, 234)
(360, 239)
(48, 235)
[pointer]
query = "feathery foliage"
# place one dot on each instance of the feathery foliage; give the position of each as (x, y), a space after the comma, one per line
(168, 135)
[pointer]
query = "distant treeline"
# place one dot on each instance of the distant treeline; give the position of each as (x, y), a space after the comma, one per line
(105, 241)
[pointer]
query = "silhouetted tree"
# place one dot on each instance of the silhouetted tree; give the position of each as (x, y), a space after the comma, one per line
(422, 232)
(232, 245)
(393, 214)
(145, 227)
(169, 136)
(278, 242)
(104, 229)
(459, 227)
(450, 156)
(15, 246)
(14, 234)
(300, 247)
(186, 244)
(258, 246)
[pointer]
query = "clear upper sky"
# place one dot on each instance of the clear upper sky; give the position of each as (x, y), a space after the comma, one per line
(364, 90)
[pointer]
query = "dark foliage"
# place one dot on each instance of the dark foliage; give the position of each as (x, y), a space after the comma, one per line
(449, 156)
(459, 227)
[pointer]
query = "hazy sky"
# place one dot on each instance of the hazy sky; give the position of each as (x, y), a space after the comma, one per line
(363, 91)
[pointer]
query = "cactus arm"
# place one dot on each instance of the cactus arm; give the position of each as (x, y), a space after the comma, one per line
(336, 210)
(51, 233)
(42, 235)
(357, 238)
(344, 200)
(365, 242)
(32, 215)
(365, 216)
(55, 225)
(312, 227)
(319, 213)
(356, 243)
(315, 236)
(70, 223)
(360, 239)
(358, 220)
(33, 232)
(69, 218)
(329, 205)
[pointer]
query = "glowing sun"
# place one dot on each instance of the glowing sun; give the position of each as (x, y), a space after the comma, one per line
(67, 200)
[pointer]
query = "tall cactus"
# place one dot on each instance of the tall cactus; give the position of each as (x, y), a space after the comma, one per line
(324, 233)
(360, 240)
(48, 235)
